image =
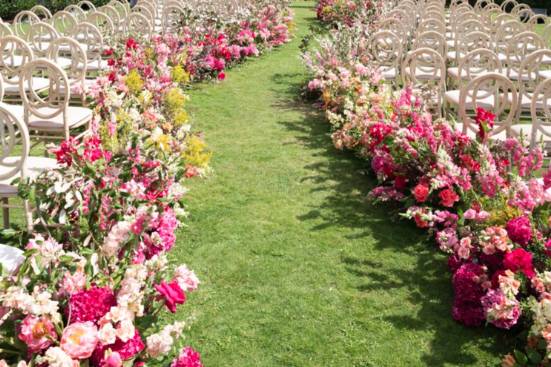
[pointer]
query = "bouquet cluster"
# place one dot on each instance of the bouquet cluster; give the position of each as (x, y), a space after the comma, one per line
(346, 12)
(487, 203)
(93, 279)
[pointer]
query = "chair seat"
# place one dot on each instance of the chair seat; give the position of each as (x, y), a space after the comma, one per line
(35, 166)
(502, 135)
(388, 73)
(425, 73)
(454, 73)
(452, 55)
(97, 65)
(11, 87)
(452, 97)
(77, 116)
(64, 62)
(526, 103)
(526, 131)
(13, 61)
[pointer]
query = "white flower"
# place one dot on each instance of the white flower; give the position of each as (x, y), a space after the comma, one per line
(107, 334)
(126, 330)
(186, 278)
(56, 357)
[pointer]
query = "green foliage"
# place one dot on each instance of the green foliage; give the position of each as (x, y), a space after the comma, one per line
(8, 9)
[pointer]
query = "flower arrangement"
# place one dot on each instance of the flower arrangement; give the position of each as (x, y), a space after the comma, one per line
(486, 202)
(94, 277)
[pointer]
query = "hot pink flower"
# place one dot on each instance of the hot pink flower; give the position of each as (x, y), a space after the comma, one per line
(519, 260)
(421, 193)
(485, 121)
(79, 340)
(172, 294)
(448, 198)
(187, 358)
(38, 333)
(90, 305)
(520, 230)
(126, 350)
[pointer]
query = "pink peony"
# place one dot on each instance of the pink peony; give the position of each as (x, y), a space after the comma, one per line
(38, 333)
(520, 230)
(500, 311)
(125, 350)
(187, 358)
(79, 340)
(172, 294)
(519, 260)
(90, 305)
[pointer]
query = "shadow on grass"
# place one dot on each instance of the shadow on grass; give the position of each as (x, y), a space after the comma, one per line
(427, 284)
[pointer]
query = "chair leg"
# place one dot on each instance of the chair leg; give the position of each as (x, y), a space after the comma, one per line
(28, 215)
(6, 213)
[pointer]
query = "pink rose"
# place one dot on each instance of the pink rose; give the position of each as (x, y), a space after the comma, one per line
(38, 333)
(448, 198)
(113, 360)
(80, 339)
(421, 193)
(171, 293)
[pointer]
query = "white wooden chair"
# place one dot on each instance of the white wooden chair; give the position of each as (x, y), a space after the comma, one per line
(22, 21)
(51, 117)
(42, 12)
(64, 22)
(495, 93)
(386, 52)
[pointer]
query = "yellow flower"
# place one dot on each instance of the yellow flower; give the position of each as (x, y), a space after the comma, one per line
(180, 75)
(181, 118)
(160, 140)
(175, 100)
(196, 152)
(134, 82)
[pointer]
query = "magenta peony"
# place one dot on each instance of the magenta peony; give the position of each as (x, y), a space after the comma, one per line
(79, 340)
(126, 351)
(519, 260)
(171, 293)
(90, 305)
(187, 358)
(520, 230)
(468, 292)
(38, 333)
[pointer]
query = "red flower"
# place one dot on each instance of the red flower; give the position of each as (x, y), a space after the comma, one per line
(485, 121)
(127, 350)
(172, 294)
(421, 193)
(448, 198)
(400, 183)
(108, 52)
(221, 75)
(187, 358)
(131, 44)
(519, 259)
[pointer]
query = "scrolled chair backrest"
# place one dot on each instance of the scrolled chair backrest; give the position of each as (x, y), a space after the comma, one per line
(480, 5)
(112, 13)
(508, 5)
(86, 5)
(533, 69)
(122, 8)
(39, 37)
(15, 144)
(68, 47)
(22, 21)
(172, 18)
(145, 11)
(540, 110)
(14, 53)
(495, 93)
(520, 46)
(431, 39)
(56, 101)
(478, 62)
(76, 12)
(42, 12)
(91, 39)
(102, 21)
(386, 49)
(64, 22)
(472, 41)
(5, 30)
(137, 25)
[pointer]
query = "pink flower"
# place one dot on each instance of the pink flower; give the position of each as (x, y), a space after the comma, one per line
(187, 358)
(519, 260)
(113, 360)
(485, 121)
(79, 340)
(467, 307)
(221, 75)
(172, 294)
(448, 198)
(499, 310)
(38, 333)
(125, 350)
(520, 230)
(73, 283)
(90, 305)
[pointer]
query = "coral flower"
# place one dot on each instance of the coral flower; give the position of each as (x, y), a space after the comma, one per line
(79, 340)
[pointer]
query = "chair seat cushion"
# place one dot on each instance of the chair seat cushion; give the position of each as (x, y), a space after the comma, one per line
(77, 116)
(12, 87)
(425, 73)
(452, 97)
(388, 73)
(526, 131)
(35, 166)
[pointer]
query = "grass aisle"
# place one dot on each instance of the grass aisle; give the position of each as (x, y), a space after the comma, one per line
(297, 268)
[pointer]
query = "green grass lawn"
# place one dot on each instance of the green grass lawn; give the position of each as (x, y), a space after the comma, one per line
(297, 268)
